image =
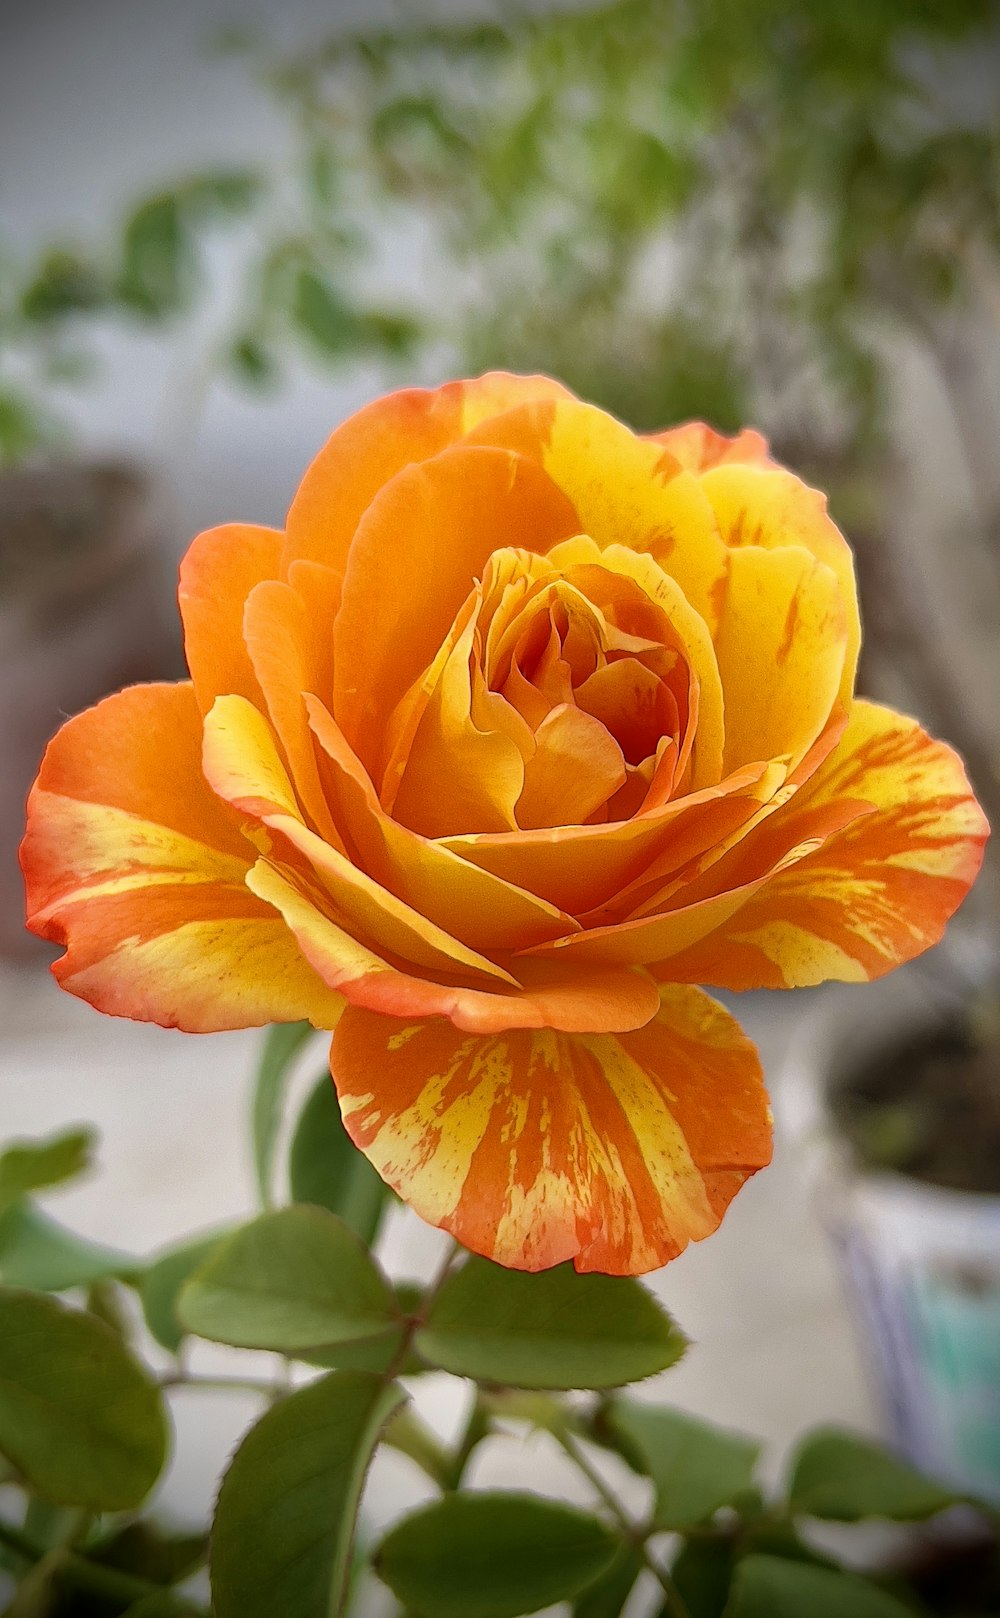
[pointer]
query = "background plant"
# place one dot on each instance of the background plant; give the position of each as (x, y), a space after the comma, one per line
(92, 1340)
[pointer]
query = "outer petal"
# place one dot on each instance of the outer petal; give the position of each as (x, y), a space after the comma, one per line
(876, 893)
(217, 574)
(133, 864)
(533, 1148)
(376, 443)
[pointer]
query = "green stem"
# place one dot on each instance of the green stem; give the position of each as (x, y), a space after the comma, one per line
(82, 1574)
(238, 1384)
(633, 1532)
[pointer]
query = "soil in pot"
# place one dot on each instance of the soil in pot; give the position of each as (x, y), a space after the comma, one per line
(929, 1108)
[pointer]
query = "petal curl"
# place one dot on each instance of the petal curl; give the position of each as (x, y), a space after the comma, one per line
(533, 1148)
(699, 447)
(875, 893)
(134, 865)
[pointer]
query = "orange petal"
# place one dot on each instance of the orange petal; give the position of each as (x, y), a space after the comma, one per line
(217, 574)
(290, 641)
(575, 768)
(415, 556)
(533, 1148)
(877, 892)
(781, 641)
(588, 1000)
(136, 867)
(454, 773)
(699, 447)
(765, 505)
(379, 441)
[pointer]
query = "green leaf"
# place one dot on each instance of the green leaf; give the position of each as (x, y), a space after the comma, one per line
(253, 362)
(79, 1417)
(323, 315)
(296, 1278)
(553, 1330)
(608, 1595)
(769, 1587)
(284, 1525)
(64, 284)
(282, 1044)
(156, 258)
(231, 191)
(38, 1252)
(326, 1168)
(163, 1281)
(31, 1165)
(696, 1467)
(844, 1478)
(492, 1556)
(702, 1571)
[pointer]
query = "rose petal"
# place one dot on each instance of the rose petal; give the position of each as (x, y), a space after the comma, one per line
(876, 893)
(781, 640)
(369, 449)
(136, 867)
(217, 574)
(699, 447)
(572, 1001)
(436, 522)
(535, 1148)
(767, 506)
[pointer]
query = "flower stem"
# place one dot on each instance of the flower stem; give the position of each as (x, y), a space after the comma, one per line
(636, 1535)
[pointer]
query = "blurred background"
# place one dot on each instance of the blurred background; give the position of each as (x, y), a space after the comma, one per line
(224, 225)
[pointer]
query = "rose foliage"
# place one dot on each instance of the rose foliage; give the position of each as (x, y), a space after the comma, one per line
(525, 728)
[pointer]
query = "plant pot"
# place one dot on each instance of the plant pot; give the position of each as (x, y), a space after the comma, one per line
(921, 1262)
(85, 607)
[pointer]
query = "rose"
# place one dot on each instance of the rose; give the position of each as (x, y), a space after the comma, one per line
(523, 728)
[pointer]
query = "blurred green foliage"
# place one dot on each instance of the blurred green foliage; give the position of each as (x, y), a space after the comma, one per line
(681, 208)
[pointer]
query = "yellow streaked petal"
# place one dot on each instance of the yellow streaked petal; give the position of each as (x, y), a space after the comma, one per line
(780, 642)
(876, 892)
(767, 506)
(133, 863)
(534, 1148)
(241, 762)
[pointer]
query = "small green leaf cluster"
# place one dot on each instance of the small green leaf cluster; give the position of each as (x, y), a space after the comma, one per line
(85, 1421)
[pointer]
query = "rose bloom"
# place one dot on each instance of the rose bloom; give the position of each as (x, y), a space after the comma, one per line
(524, 727)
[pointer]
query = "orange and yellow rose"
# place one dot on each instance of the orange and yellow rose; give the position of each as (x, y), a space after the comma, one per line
(523, 728)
